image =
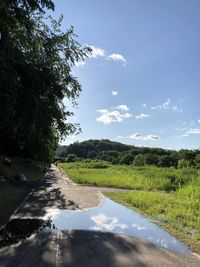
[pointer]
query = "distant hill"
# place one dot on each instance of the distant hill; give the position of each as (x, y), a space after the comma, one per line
(119, 153)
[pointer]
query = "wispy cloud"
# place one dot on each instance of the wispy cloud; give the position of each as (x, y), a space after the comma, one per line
(117, 57)
(114, 93)
(191, 131)
(108, 116)
(80, 64)
(138, 136)
(142, 116)
(122, 107)
(104, 222)
(96, 52)
(166, 106)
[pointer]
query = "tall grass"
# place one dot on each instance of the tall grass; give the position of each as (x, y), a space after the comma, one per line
(140, 178)
(179, 210)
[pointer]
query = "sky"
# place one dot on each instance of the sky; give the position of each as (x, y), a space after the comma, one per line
(141, 84)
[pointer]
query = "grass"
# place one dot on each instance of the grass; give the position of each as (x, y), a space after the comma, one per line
(140, 178)
(169, 196)
(178, 212)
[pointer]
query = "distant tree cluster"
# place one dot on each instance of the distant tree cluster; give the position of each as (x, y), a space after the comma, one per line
(118, 153)
(35, 75)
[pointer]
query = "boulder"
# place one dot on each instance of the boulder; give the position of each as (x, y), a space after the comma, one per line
(7, 161)
(20, 177)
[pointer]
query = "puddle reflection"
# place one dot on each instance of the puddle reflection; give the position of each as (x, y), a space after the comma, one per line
(113, 217)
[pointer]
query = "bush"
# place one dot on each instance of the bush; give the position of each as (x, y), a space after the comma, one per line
(184, 163)
(71, 158)
(139, 160)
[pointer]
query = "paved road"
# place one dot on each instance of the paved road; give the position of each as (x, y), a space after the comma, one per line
(81, 248)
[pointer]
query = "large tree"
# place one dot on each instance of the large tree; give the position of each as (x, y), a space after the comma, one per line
(36, 58)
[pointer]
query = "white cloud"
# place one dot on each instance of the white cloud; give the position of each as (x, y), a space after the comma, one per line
(117, 57)
(151, 137)
(138, 136)
(156, 107)
(103, 222)
(142, 116)
(167, 105)
(199, 121)
(107, 116)
(122, 107)
(114, 93)
(190, 131)
(144, 105)
(80, 64)
(121, 137)
(96, 52)
(138, 227)
(193, 131)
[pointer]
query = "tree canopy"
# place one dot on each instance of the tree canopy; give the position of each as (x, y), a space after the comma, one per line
(118, 153)
(36, 60)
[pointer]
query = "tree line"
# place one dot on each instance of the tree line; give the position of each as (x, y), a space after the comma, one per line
(36, 60)
(118, 153)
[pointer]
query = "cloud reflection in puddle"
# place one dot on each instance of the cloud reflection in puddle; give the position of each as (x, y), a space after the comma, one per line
(104, 222)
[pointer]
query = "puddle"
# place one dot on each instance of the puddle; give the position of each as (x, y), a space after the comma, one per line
(109, 216)
(113, 217)
(19, 229)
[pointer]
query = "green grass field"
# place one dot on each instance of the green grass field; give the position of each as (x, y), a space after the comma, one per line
(169, 196)
(140, 178)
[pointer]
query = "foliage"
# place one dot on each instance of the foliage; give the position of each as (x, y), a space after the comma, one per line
(139, 160)
(118, 153)
(71, 158)
(184, 163)
(36, 59)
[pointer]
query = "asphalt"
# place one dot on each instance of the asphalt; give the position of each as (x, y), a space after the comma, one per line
(81, 248)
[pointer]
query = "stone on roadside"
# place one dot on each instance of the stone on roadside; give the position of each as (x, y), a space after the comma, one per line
(20, 177)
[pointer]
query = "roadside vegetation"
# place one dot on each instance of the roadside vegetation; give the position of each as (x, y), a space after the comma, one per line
(140, 178)
(168, 195)
(13, 192)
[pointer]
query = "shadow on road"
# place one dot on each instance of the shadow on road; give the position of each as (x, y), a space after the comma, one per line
(73, 249)
(46, 196)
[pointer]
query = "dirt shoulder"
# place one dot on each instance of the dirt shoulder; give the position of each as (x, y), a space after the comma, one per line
(12, 193)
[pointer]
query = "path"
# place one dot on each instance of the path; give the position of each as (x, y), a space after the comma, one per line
(81, 248)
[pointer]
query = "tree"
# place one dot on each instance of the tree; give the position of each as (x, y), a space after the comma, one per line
(197, 160)
(126, 159)
(151, 159)
(139, 160)
(35, 76)
(166, 161)
(71, 158)
(184, 163)
(92, 155)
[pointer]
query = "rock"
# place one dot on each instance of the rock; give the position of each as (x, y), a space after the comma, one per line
(20, 177)
(7, 161)
(3, 180)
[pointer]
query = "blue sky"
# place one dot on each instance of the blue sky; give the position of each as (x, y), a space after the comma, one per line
(141, 86)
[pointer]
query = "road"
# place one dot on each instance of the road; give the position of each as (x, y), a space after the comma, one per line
(81, 248)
